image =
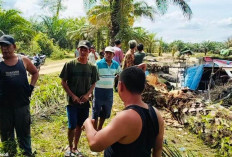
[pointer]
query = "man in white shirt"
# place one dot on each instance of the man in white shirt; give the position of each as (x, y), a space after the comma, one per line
(93, 55)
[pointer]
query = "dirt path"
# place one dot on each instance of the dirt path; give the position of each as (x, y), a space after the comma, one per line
(47, 69)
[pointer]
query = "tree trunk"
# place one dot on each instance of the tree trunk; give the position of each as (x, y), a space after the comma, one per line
(98, 40)
(115, 19)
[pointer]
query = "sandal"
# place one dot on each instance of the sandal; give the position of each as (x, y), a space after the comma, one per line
(77, 153)
(68, 153)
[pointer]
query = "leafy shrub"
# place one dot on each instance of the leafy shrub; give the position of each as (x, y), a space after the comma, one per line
(46, 45)
(48, 92)
(57, 53)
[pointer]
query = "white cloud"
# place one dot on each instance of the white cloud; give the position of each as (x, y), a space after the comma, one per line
(28, 7)
(75, 8)
(223, 22)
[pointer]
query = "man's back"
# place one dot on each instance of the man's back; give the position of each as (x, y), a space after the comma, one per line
(139, 57)
(118, 57)
(142, 146)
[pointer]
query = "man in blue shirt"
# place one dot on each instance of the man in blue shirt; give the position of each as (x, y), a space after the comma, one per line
(103, 94)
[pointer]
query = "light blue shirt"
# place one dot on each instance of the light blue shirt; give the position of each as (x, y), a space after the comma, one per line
(107, 73)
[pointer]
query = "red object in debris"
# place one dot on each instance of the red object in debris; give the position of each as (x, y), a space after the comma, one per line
(208, 59)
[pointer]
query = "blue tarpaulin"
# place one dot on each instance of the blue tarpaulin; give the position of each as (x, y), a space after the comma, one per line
(193, 77)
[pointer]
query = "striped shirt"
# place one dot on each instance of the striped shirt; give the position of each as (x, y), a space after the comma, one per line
(107, 73)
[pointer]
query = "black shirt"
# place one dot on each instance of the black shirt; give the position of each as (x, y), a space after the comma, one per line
(142, 146)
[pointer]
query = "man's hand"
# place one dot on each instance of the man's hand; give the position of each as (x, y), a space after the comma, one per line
(31, 89)
(84, 98)
(88, 121)
(75, 99)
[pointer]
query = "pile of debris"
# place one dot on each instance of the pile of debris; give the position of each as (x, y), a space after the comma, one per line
(214, 128)
(223, 94)
(154, 68)
(212, 122)
(184, 103)
(154, 92)
(181, 103)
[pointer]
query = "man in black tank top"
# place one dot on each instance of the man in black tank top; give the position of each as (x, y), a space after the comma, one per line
(15, 92)
(137, 131)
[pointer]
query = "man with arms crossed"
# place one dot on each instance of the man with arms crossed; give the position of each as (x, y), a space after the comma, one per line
(15, 92)
(134, 132)
(78, 80)
(103, 94)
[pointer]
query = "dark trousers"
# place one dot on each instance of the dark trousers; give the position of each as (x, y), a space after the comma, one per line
(19, 120)
(116, 83)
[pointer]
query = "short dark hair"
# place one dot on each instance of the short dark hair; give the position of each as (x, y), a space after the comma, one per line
(117, 42)
(134, 79)
(140, 47)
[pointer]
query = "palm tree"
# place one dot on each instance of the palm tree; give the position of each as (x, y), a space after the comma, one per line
(124, 12)
(54, 6)
(57, 29)
(119, 15)
(12, 23)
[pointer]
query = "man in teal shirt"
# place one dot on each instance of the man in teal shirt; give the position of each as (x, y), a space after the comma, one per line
(103, 94)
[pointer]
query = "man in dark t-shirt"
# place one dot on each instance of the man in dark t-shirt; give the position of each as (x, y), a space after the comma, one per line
(78, 80)
(139, 55)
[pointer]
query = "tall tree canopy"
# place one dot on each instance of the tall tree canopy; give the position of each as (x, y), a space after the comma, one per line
(122, 13)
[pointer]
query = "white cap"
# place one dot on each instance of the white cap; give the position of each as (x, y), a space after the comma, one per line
(109, 49)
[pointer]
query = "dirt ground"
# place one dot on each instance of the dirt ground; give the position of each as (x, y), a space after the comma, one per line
(47, 69)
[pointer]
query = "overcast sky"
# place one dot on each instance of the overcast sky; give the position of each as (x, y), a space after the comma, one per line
(212, 19)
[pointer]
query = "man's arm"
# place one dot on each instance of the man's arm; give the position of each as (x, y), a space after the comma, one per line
(31, 69)
(85, 97)
(142, 66)
(157, 150)
(69, 92)
(115, 131)
(95, 55)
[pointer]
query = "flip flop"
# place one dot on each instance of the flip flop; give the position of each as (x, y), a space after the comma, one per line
(78, 153)
(68, 153)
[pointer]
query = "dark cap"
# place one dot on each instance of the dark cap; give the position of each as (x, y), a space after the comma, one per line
(7, 39)
(84, 43)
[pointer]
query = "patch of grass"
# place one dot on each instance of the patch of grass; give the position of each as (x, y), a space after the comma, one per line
(184, 140)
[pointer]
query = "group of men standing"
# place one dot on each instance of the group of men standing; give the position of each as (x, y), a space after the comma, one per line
(119, 138)
(136, 131)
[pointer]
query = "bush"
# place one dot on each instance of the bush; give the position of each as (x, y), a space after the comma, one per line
(45, 44)
(57, 54)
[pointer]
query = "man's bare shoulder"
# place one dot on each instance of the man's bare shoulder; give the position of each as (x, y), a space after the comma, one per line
(129, 118)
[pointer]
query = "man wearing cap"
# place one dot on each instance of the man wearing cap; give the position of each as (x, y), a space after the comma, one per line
(103, 94)
(78, 80)
(15, 92)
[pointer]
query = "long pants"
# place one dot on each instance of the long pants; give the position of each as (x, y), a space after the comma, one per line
(19, 120)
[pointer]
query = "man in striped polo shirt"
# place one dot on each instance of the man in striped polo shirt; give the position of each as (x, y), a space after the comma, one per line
(103, 94)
